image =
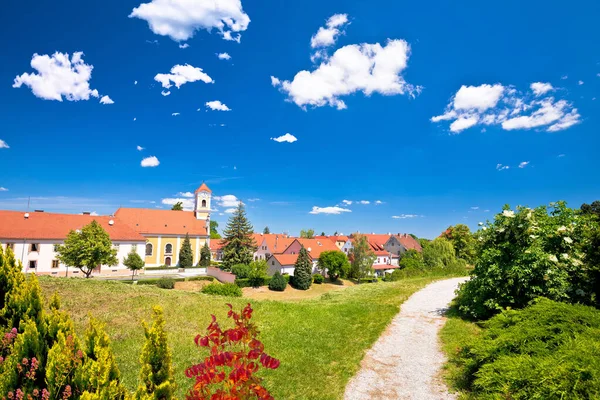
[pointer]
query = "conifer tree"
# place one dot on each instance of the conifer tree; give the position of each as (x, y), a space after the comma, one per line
(186, 258)
(303, 270)
(156, 374)
(205, 256)
(239, 244)
(266, 231)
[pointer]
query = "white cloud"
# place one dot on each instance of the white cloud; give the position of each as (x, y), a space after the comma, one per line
(580, 83)
(523, 164)
(4, 145)
(175, 114)
(227, 201)
(505, 106)
(150, 162)
(405, 216)
(185, 194)
(224, 56)
(540, 88)
(187, 204)
(180, 75)
(561, 155)
(216, 105)
(58, 76)
(140, 148)
(180, 19)
(501, 167)
(564, 77)
(165, 92)
(135, 82)
(253, 200)
(474, 208)
(3, 189)
(347, 202)
(106, 100)
(366, 68)
(288, 137)
(364, 202)
(329, 210)
(327, 36)
(378, 202)
(184, 46)
(135, 119)
(230, 210)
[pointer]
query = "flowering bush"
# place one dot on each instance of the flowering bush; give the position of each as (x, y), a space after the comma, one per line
(229, 372)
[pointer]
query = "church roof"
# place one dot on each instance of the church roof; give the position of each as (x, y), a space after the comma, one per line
(204, 188)
(162, 222)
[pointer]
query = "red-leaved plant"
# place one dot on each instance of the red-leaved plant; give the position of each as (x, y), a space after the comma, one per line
(229, 372)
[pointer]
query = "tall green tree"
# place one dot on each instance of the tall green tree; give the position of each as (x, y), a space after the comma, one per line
(186, 257)
(591, 209)
(205, 256)
(214, 230)
(439, 253)
(307, 233)
(266, 231)
(303, 270)
(362, 258)
(177, 206)
(323, 234)
(334, 263)
(412, 259)
(133, 262)
(87, 249)
(239, 245)
(463, 241)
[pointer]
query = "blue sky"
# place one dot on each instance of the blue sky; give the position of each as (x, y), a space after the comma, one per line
(361, 113)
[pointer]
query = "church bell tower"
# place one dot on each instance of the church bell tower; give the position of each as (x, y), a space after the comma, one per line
(202, 206)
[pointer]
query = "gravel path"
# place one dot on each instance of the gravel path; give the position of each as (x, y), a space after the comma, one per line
(406, 361)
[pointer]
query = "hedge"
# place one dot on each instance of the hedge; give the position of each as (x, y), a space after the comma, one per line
(222, 289)
(253, 282)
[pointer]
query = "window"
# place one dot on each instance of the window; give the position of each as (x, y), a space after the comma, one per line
(134, 248)
(54, 263)
(169, 248)
(10, 246)
(32, 264)
(273, 262)
(55, 247)
(116, 246)
(168, 261)
(203, 203)
(34, 247)
(148, 249)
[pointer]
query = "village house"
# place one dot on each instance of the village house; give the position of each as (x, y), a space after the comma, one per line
(400, 243)
(270, 243)
(34, 237)
(314, 247)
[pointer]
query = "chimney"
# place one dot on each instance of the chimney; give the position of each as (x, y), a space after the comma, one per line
(86, 213)
(26, 215)
(38, 211)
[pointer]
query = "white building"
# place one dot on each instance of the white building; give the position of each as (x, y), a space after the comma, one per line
(33, 238)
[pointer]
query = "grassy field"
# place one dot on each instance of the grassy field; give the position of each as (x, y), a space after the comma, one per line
(319, 341)
(291, 294)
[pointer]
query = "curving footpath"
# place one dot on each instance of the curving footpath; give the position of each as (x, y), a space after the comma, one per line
(406, 361)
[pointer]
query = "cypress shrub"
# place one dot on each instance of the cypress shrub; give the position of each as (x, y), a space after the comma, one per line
(278, 282)
(303, 270)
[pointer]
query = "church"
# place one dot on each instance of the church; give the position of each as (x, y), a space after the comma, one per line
(165, 230)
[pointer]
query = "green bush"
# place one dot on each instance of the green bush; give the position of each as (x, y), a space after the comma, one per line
(367, 280)
(318, 279)
(241, 271)
(287, 277)
(277, 283)
(439, 253)
(242, 283)
(548, 350)
(166, 283)
(201, 278)
(412, 259)
(222, 289)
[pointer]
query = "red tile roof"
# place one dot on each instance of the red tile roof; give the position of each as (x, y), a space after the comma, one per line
(384, 266)
(377, 241)
(286, 259)
(315, 246)
(409, 242)
(203, 187)
(381, 253)
(162, 222)
(216, 244)
(277, 243)
(43, 225)
(339, 238)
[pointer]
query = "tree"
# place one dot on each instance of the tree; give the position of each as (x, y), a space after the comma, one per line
(307, 234)
(87, 249)
(303, 270)
(156, 375)
(239, 245)
(214, 232)
(177, 206)
(463, 241)
(334, 263)
(186, 258)
(336, 233)
(439, 253)
(593, 209)
(323, 234)
(412, 259)
(266, 231)
(205, 256)
(277, 282)
(362, 258)
(133, 262)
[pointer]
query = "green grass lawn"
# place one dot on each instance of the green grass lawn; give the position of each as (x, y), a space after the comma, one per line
(320, 342)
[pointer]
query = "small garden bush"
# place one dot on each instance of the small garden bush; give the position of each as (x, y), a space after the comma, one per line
(166, 283)
(222, 289)
(242, 283)
(318, 278)
(368, 280)
(200, 278)
(241, 271)
(278, 283)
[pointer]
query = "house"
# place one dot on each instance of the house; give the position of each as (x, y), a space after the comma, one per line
(339, 240)
(282, 263)
(216, 249)
(400, 243)
(314, 247)
(377, 244)
(270, 243)
(382, 269)
(34, 237)
(165, 230)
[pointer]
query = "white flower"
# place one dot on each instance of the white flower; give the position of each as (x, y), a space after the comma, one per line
(508, 213)
(484, 228)
(562, 229)
(553, 258)
(577, 262)
(500, 230)
(529, 214)
(568, 239)
(533, 236)
(565, 256)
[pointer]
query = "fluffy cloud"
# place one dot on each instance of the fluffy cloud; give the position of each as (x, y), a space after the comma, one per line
(288, 137)
(227, 201)
(58, 76)
(329, 210)
(253, 200)
(3, 189)
(139, 148)
(185, 194)
(366, 68)
(501, 167)
(224, 56)
(539, 88)
(180, 75)
(165, 92)
(523, 164)
(175, 114)
(364, 202)
(327, 36)
(184, 46)
(150, 162)
(404, 216)
(188, 205)
(378, 202)
(4, 145)
(347, 202)
(580, 83)
(106, 100)
(180, 19)
(216, 105)
(474, 208)
(505, 106)
(135, 82)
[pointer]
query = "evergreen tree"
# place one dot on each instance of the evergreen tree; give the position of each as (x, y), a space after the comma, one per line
(362, 257)
(177, 206)
(156, 375)
(266, 231)
(323, 234)
(134, 262)
(205, 256)
(303, 270)
(239, 245)
(186, 258)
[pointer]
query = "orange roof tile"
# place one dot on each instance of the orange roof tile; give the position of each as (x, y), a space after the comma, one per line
(384, 266)
(216, 244)
(409, 242)
(381, 253)
(203, 187)
(277, 243)
(42, 225)
(286, 259)
(315, 246)
(162, 222)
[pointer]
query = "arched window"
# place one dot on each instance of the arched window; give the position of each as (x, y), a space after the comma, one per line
(203, 203)
(169, 248)
(148, 249)
(168, 261)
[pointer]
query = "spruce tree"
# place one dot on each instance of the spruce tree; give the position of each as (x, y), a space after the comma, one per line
(266, 231)
(204, 256)
(186, 258)
(239, 245)
(303, 270)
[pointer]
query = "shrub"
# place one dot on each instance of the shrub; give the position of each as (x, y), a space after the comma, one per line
(201, 278)
(412, 259)
(166, 283)
(303, 270)
(318, 278)
(222, 289)
(241, 271)
(368, 280)
(439, 253)
(278, 282)
(287, 277)
(548, 350)
(258, 273)
(334, 263)
(229, 370)
(242, 283)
